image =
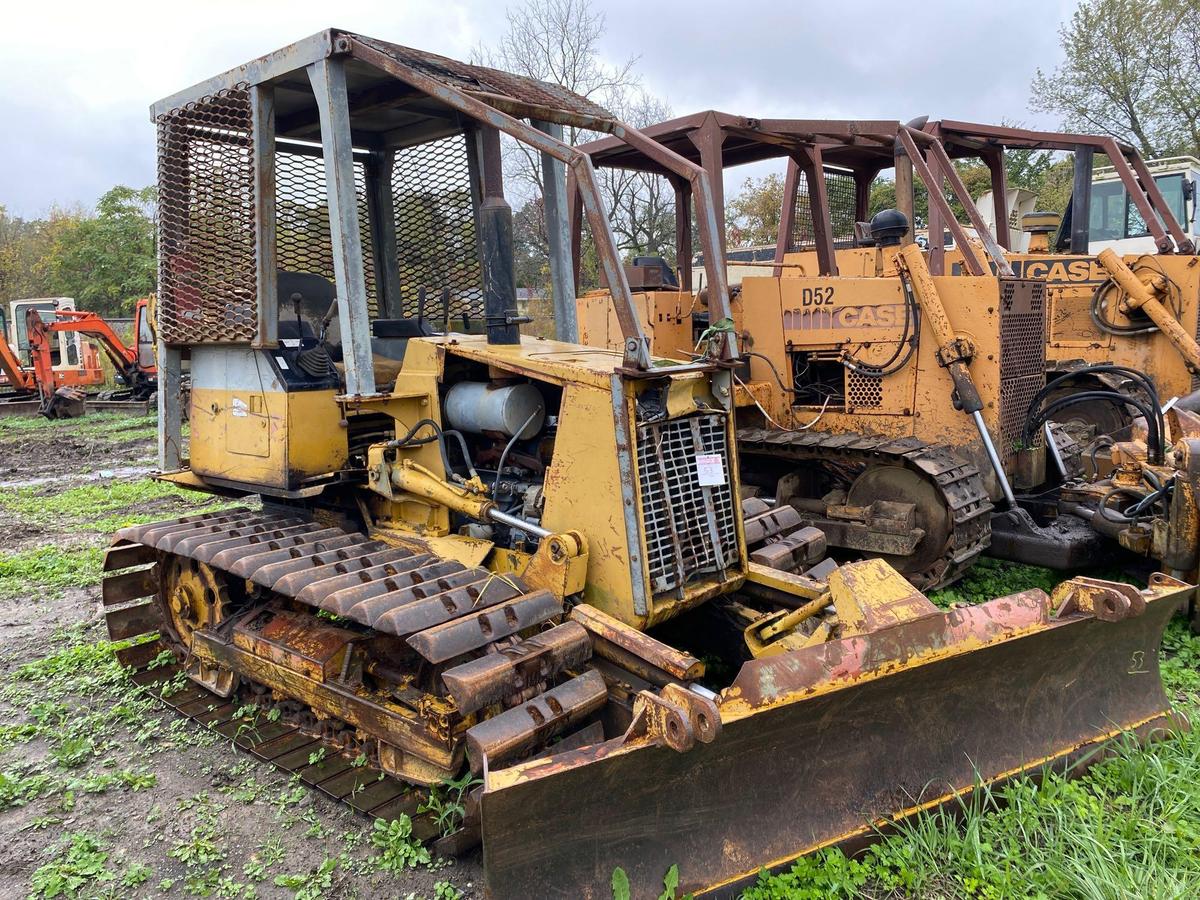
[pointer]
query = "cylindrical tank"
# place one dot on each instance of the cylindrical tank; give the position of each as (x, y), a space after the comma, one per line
(477, 406)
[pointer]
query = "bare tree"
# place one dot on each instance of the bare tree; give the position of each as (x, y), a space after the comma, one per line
(558, 41)
(641, 204)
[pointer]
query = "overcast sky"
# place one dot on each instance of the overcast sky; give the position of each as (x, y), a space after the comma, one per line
(79, 77)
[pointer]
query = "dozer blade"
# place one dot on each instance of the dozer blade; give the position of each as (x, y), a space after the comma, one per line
(823, 745)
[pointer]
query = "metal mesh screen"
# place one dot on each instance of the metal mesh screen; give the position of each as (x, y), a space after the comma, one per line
(207, 281)
(690, 528)
(1022, 355)
(841, 190)
(435, 232)
(863, 391)
(434, 225)
(302, 237)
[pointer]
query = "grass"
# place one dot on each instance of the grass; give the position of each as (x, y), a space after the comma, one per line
(100, 736)
(101, 506)
(115, 426)
(48, 570)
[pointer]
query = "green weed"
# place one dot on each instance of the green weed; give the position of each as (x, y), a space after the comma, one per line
(446, 803)
(17, 789)
(621, 888)
(313, 885)
(990, 578)
(48, 571)
(79, 865)
(400, 850)
(263, 859)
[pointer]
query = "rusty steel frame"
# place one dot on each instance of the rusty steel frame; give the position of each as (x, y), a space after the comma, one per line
(812, 147)
(584, 176)
(323, 57)
(708, 132)
(932, 176)
(1136, 178)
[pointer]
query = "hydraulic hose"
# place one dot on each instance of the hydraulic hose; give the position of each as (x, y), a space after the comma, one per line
(439, 435)
(1154, 436)
(1146, 385)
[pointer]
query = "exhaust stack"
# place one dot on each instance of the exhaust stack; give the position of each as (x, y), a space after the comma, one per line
(496, 246)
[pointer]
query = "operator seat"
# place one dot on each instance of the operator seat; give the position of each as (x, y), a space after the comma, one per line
(314, 295)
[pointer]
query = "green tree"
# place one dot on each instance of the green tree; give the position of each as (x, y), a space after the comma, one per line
(752, 217)
(106, 261)
(25, 246)
(1131, 69)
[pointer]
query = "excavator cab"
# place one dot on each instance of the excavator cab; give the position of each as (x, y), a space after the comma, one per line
(523, 563)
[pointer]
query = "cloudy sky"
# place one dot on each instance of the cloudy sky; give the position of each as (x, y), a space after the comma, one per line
(79, 77)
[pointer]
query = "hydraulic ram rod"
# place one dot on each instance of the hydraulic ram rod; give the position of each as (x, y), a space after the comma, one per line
(1140, 296)
(953, 353)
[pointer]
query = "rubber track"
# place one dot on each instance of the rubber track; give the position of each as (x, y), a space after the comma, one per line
(958, 481)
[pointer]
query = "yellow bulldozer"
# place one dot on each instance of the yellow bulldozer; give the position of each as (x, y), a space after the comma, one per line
(1096, 318)
(1092, 319)
(884, 404)
(1120, 331)
(464, 552)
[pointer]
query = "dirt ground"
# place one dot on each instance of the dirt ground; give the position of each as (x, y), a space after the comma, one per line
(102, 792)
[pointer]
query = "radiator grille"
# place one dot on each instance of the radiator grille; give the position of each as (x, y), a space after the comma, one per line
(690, 529)
(1022, 356)
(207, 281)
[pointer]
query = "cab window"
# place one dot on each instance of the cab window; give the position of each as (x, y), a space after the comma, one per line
(1107, 221)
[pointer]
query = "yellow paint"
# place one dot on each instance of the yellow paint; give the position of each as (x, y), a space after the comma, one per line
(583, 492)
(1071, 281)
(467, 550)
(861, 313)
(665, 317)
(870, 596)
(269, 438)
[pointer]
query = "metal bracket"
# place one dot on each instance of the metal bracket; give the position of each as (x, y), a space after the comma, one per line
(675, 717)
(1107, 601)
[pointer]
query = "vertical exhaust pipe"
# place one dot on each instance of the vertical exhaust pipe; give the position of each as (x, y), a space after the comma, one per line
(496, 238)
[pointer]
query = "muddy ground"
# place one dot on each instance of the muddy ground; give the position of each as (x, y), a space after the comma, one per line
(103, 793)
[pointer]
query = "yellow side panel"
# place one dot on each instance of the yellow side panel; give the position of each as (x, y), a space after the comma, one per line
(316, 441)
(268, 438)
(583, 492)
(665, 316)
(229, 446)
(248, 423)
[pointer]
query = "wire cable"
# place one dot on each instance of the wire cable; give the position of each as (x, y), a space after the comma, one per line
(512, 440)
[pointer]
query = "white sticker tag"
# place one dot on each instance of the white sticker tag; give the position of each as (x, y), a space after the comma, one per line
(282, 363)
(240, 409)
(710, 469)
(290, 342)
